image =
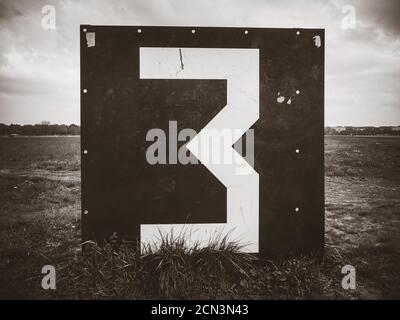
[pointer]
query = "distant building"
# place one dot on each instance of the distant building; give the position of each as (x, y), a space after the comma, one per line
(339, 129)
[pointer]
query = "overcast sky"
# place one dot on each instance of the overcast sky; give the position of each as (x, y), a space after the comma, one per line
(39, 69)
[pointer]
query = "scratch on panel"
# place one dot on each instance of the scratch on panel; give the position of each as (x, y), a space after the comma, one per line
(241, 211)
(317, 41)
(90, 39)
(182, 66)
(181, 58)
(280, 98)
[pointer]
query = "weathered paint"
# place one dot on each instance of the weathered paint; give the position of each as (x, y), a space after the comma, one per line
(121, 191)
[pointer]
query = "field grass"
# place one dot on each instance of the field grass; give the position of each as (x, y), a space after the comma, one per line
(40, 224)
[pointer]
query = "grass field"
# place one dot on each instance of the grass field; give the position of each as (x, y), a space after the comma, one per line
(40, 224)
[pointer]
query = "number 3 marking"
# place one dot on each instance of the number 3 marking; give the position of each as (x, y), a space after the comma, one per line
(240, 67)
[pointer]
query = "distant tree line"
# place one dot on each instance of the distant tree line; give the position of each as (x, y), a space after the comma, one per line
(364, 131)
(45, 128)
(42, 129)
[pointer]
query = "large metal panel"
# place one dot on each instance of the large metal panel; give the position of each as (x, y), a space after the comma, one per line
(122, 192)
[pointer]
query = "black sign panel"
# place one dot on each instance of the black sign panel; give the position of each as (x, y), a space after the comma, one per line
(149, 90)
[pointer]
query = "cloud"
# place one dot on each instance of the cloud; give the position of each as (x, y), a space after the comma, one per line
(39, 69)
(8, 10)
(384, 14)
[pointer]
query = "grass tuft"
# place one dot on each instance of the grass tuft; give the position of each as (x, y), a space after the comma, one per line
(174, 270)
(170, 270)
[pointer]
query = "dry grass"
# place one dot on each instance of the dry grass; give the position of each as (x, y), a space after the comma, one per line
(40, 224)
(219, 271)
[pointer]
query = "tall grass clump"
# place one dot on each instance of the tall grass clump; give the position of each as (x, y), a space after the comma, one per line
(169, 269)
(172, 268)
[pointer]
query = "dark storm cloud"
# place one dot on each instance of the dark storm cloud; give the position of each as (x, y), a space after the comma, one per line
(384, 13)
(8, 10)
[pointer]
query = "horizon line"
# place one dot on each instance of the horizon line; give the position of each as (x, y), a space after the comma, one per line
(325, 126)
